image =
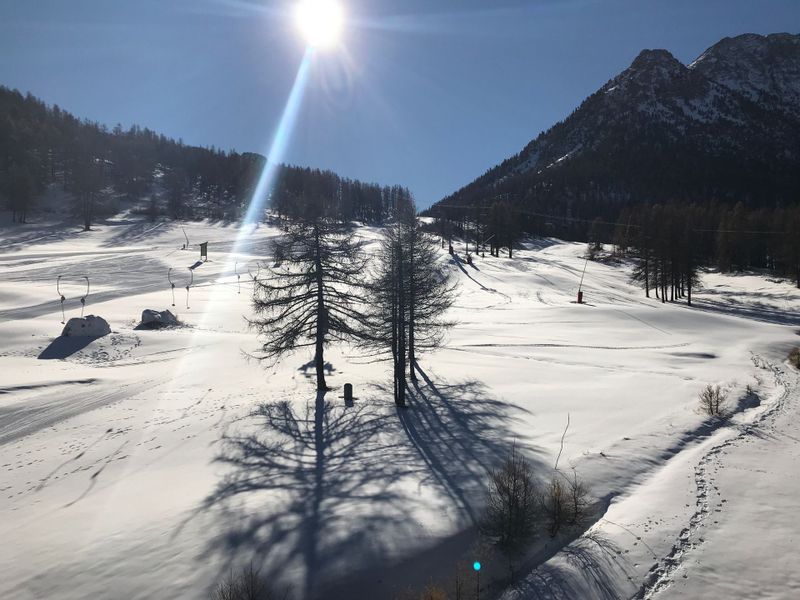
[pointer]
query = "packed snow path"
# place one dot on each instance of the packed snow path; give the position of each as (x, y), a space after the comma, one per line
(146, 463)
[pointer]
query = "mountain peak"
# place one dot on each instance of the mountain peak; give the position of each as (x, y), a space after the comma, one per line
(656, 58)
(724, 127)
(650, 70)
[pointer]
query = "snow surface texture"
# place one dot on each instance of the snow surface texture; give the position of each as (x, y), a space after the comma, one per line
(144, 464)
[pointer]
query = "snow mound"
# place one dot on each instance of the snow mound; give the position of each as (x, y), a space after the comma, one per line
(88, 326)
(156, 319)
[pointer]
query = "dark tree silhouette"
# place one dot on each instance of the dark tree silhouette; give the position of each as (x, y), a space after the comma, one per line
(410, 295)
(310, 297)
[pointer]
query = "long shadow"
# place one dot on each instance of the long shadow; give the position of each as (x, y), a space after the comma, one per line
(455, 434)
(136, 230)
(62, 347)
(324, 494)
(592, 566)
(313, 468)
(459, 263)
(17, 236)
(461, 434)
(755, 312)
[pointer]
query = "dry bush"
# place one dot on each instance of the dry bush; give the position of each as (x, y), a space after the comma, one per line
(577, 498)
(554, 501)
(564, 501)
(511, 506)
(433, 592)
(245, 584)
(794, 357)
(712, 400)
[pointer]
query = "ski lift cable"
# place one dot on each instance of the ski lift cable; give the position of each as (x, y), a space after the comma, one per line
(615, 223)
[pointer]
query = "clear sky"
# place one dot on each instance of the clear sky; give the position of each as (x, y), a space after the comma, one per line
(424, 93)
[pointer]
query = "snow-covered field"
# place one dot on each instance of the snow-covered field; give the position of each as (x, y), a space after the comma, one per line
(146, 463)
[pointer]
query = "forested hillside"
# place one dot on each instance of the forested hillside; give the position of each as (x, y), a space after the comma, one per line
(700, 160)
(42, 146)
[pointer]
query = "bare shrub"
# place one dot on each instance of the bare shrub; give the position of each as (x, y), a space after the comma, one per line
(433, 592)
(712, 400)
(794, 357)
(564, 501)
(554, 501)
(245, 584)
(511, 506)
(577, 498)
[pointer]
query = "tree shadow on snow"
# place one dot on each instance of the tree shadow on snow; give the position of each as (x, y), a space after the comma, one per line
(312, 467)
(455, 434)
(62, 347)
(136, 231)
(324, 493)
(461, 434)
(590, 567)
(756, 306)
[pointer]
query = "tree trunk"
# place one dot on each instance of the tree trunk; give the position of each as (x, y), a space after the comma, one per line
(401, 332)
(689, 288)
(395, 322)
(412, 293)
(87, 211)
(322, 318)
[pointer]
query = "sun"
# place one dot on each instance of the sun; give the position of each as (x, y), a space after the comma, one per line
(320, 21)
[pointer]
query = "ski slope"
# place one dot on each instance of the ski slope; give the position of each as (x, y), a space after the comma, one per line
(145, 464)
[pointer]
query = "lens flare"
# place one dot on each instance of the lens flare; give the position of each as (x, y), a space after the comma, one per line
(280, 142)
(320, 21)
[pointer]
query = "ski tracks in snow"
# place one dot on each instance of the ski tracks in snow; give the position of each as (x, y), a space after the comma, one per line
(708, 497)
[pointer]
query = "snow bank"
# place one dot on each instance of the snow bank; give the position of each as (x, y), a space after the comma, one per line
(156, 319)
(88, 326)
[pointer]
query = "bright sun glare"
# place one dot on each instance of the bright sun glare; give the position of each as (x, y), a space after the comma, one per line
(320, 21)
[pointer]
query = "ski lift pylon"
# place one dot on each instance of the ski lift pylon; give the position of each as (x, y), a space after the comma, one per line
(191, 281)
(83, 299)
(172, 284)
(58, 289)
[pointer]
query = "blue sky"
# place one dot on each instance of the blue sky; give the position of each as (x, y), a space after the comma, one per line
(427, 94)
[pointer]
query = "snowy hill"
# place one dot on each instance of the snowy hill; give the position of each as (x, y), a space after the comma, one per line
(145, 464)
(726, 127)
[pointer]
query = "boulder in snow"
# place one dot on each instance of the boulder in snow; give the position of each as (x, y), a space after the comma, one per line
(155, 319)
(88, 326)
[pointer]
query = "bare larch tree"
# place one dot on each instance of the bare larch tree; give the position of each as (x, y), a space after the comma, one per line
(410, 295)
(311, 295)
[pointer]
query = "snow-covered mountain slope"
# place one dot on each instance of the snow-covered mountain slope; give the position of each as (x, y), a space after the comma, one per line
(725, 127)
(146, 463)
(765, 69)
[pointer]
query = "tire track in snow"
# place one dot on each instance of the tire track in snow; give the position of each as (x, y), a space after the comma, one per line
(661, 574)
